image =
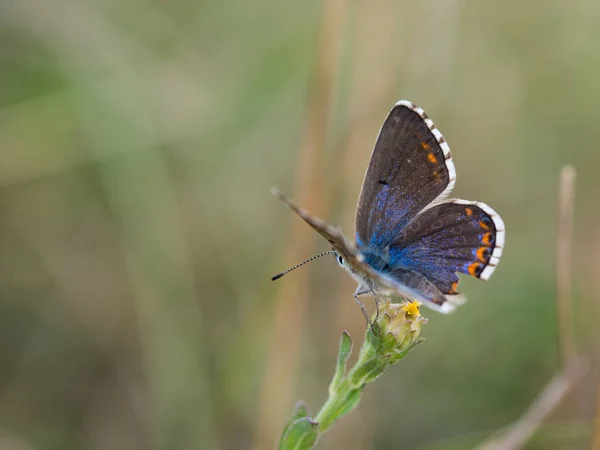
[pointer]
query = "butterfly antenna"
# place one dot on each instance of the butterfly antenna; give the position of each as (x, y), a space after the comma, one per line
(279, 275)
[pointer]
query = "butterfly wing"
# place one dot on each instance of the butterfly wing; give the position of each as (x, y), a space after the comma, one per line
(410, 168)
(450, 237)
(413, 285)
(333, 235)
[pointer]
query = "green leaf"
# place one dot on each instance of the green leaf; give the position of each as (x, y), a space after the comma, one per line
(342, 359)
(398, 356)
(373, 335)
(368, 371)
(300, 411)
(301, 434)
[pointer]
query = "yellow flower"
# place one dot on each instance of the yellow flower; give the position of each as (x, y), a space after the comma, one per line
(412, 309)
(397, 330)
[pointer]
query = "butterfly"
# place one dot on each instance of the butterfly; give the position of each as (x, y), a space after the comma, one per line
(410, 240)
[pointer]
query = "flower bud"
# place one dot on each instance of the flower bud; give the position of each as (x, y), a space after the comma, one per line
(393, 333)
(400, 326)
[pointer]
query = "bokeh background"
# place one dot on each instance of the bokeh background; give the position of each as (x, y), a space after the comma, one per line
(138, 142)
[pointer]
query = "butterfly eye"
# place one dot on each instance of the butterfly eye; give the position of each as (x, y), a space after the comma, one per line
(340, 260)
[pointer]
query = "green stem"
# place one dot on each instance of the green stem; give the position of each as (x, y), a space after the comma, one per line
(345, 391)
(340, 402)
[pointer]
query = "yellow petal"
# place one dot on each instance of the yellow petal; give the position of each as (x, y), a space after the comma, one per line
(412, 308)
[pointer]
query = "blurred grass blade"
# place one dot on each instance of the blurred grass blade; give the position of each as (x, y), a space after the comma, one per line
(564, 283)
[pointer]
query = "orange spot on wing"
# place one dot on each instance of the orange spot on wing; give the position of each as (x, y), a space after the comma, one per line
(469, 211)
(425, 146)
(453, 287)
(474, 269)
(487, 238)
(484, 225)
(431, 158)
(481, 253)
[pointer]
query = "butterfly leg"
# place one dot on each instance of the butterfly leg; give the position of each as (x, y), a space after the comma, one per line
(375, 329)
(376, 305)
(361, 290)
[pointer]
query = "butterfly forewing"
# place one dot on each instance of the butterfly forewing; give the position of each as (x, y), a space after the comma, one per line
(410, 168)
(333, 235)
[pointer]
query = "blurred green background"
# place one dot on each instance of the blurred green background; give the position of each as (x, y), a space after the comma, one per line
(138, 142)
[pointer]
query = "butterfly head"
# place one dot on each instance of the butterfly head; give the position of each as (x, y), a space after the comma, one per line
(357, 271)
(339, 258)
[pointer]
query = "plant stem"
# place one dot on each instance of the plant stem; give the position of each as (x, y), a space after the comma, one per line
(340, 401)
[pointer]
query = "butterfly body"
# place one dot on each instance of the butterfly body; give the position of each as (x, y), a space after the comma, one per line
(367, 283)
(410, 240)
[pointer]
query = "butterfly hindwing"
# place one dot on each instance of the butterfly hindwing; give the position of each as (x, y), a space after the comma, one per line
(410, 168)
(415, 286)
(450, 237)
